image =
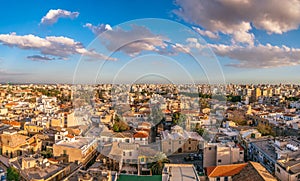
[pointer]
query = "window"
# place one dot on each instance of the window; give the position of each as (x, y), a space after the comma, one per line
(241, 152)
(190, 148)
(179, 142)
(278, 170)
(219, 161)
(225, 178)
(218, 179)
(130, 154)
(209, 148)
(124, 153)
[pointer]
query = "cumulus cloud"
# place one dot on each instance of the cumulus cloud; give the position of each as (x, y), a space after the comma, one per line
(57, 46)
(206, 33)
(235, 17)
(132, 41)
(54, 14)
(260, 56)
(177, 47)
(98, 29)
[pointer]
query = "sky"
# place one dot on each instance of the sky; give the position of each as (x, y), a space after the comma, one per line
(170, 41)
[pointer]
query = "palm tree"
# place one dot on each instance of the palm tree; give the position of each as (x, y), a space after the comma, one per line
(158, 163)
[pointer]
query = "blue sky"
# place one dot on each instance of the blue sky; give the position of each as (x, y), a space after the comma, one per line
(187, 41)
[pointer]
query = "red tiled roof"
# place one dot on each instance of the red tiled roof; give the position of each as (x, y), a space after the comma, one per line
(69, 136)
(141, 134)
(166, 111)
(12, 123)
(11, 104)
(225, 170)
(53, 160)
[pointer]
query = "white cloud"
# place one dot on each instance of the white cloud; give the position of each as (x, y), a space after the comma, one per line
(234, 17)
(58, 46)
(131, 42)
(98, 29)
(54, 14)
(181, 48)
(260, 56)
(206, 33)
(243, 37)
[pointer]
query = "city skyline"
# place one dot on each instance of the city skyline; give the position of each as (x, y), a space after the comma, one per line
(249, 42)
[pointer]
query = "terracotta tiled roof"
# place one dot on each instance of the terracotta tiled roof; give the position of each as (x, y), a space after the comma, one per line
(141, 134)
(166, 111)
(253, 171)
(224, 170)
(11, 104)
(12, 123)
(69, 136)
(74, 131)
(53, 160)
(33, 144)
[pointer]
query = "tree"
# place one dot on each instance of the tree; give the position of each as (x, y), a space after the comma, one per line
(47, 154)
(265, 129)
(200, 131)
(238, 117)
(159, 162)
(120, 125)
(178, 119)
(13, 174)
(233, 98)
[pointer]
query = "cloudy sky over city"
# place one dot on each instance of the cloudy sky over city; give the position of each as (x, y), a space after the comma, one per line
(239, 41)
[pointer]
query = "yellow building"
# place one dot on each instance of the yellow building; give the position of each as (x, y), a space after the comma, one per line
(258, 93)
(57, 122)
(14, 144)
(80, 149)
(32, 128)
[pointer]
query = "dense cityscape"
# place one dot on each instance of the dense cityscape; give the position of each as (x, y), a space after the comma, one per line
(193, 132)
(150, 90)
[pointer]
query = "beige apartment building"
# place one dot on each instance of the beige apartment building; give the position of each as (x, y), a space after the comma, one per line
(222, 154)
(288, 169)
(14, 144)
(79, 149)
(180, 141)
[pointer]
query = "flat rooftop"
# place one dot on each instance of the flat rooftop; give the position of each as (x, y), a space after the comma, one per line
(43, 173)
(78, 143)
(267, 147)
(139, 178)
(179, 172)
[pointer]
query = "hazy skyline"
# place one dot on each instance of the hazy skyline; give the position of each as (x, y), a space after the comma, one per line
(253, 41)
